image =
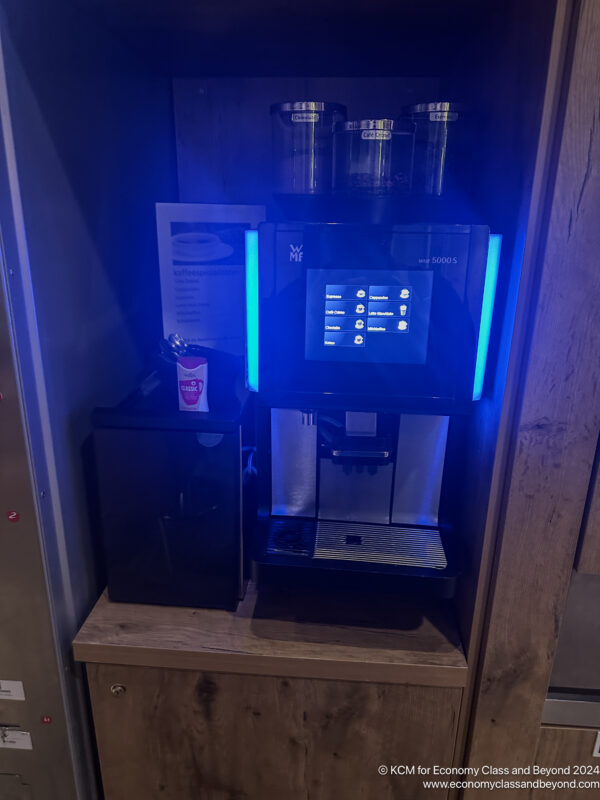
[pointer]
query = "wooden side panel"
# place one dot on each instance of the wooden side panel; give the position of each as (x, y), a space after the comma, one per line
(511, 178)
(556, 431)
(515, 77)
(179, 734)
(567, 747)
(588, 560)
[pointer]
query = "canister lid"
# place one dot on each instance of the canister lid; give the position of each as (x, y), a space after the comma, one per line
(421, 108)
(309, 105)
(399, 126)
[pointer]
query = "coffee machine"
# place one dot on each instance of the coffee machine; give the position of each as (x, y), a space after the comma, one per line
(366, 345)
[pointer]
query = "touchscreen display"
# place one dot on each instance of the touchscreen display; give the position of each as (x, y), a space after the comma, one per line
(375, 316)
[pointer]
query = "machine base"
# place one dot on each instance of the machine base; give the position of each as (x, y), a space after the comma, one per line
(357, 554)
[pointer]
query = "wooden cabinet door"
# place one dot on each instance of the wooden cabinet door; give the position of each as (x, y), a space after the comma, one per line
(184, 735)
(568, 747)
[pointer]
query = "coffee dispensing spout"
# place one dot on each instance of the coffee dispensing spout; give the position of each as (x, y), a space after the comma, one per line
(358, 448)
(351, 443)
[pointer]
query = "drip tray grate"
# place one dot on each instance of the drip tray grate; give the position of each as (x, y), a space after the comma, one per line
(355, 541)
(380, 544)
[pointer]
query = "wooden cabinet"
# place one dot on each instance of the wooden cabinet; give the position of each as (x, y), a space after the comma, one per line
(193, 704)
(551, 414)
(568, 747)
(175, 734)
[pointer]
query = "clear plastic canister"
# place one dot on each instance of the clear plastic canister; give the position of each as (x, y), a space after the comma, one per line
(441, 161)
(303, 145)
(373, 156)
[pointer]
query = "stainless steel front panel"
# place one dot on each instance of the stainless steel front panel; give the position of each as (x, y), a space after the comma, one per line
(293, 463)
(574, 712)
(378, 544)
(355, 492)
(577, 660)
(419, 468)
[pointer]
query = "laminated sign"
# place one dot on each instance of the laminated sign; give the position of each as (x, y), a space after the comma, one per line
(201, 250)
(12, 690)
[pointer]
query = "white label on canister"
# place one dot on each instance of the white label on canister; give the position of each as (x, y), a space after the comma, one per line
(12, 690)
(305, 116)
(383, 136)
(15, 740)
(443, 116)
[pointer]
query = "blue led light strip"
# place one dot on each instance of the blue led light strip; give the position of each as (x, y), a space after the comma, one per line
(487, 309)
(252, 310)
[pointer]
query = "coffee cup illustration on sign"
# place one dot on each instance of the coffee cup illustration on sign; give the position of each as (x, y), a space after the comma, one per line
(198, 247)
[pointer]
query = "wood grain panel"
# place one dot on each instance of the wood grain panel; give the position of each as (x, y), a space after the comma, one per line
(563, 747)
(514, 161)
(277, 639)
(555, 433)
(588, 560)
(177, 735)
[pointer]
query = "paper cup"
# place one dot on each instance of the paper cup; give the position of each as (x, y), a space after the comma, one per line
(192, 383)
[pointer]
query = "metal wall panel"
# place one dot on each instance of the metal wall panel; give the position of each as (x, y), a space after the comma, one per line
(12, 788)
(27, 654)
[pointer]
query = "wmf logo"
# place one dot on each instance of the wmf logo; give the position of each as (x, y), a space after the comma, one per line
(296, 252)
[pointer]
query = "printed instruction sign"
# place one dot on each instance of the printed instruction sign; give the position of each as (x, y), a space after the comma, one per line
(15, 740)
(201, 251)
(12, 690)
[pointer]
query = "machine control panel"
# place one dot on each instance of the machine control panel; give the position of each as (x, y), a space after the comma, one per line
(370, 316)
(378, 316)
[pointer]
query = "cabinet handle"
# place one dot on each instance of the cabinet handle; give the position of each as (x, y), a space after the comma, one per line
(117, 689)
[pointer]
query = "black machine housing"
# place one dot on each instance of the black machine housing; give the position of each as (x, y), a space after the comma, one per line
(451, 259)
(305, 270)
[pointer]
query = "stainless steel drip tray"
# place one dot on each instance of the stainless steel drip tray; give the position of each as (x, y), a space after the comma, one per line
(575, 709)
(380, 544)
(367, 543)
